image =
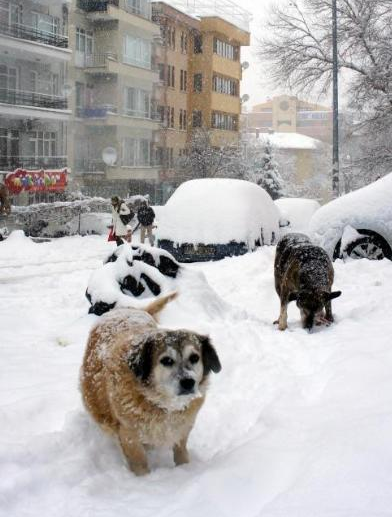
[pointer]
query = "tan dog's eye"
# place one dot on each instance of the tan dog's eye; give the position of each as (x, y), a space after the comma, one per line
(194, 358)
(167, 361)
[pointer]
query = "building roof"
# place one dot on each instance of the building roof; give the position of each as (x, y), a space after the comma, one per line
(287, 140)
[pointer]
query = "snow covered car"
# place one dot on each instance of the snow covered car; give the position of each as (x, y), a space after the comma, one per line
(209, 219)
(296, 212)
(357, 225)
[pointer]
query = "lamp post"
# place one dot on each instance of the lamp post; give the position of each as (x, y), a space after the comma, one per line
(335, 144)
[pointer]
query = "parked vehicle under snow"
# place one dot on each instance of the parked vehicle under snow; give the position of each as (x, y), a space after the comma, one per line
(209, 219)
(357, 225)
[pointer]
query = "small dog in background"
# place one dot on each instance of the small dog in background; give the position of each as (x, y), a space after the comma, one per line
(304, 273)
(144, 384)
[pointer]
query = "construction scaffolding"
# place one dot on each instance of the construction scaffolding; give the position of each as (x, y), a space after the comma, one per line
(226, 9)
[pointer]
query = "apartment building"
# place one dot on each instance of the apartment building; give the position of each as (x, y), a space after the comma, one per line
(114, 103)
(200, 73)
(288, 114)
(33, 98)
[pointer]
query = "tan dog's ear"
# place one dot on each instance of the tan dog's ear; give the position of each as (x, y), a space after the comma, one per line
(210, 357)
(140, 361)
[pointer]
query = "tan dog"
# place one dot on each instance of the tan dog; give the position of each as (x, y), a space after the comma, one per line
(145, 384)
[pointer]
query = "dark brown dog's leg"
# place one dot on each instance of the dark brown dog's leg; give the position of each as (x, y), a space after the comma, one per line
(134, 452)
(180, 452)
(328, 311)
(284, 300)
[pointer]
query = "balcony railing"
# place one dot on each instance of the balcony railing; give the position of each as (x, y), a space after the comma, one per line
(40, 100)
(90, 165)
(101, 6)
(17, 30)
(99, 60)
(96, 112)
(11, 163)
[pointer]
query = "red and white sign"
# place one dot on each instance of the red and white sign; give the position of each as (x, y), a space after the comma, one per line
(36, 181)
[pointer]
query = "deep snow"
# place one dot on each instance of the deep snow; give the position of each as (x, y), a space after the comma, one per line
(295, 425)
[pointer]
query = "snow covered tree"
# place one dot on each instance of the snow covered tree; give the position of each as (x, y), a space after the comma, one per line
(264, 171)
(202, 160)
(298, 52)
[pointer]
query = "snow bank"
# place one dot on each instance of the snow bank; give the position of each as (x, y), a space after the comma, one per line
(218, 211)
(367, 208)
(298, 211)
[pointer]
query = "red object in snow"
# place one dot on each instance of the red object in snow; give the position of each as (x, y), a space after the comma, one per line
(36, 181)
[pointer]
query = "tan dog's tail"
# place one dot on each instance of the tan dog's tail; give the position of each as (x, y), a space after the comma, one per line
(160, 303)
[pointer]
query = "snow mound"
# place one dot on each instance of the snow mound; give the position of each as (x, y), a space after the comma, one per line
(367, 208)
(133, 275)
(298, 211)
(219, 211)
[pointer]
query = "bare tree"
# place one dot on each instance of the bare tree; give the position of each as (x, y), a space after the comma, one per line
(203, 160)
(298, 52)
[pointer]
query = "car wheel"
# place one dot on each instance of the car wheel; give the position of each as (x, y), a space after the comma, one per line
(371, 247)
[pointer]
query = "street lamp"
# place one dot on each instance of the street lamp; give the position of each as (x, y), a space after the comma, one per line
(335, 139)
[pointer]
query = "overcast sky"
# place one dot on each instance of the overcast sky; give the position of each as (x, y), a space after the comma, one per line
(253, 82)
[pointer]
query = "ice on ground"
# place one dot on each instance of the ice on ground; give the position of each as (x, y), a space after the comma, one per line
(296, 424)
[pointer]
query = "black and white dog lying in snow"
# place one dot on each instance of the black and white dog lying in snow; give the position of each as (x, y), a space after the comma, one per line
(304, 273)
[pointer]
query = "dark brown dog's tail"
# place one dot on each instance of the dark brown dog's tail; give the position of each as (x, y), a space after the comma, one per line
(160, 303)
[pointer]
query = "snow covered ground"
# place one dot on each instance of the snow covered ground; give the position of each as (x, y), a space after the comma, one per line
(295, 425)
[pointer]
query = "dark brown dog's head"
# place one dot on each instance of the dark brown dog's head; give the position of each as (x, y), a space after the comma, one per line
(173, 366)
(311, 304)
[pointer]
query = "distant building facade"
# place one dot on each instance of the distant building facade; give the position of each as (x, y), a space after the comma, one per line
(34, 111)
(199, 82)
(288, 114)
(114, 97)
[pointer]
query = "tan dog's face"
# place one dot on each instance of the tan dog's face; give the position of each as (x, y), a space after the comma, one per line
(173, 365)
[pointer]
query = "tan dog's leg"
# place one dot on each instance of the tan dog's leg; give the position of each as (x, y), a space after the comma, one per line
(180, 452)
(134, 452)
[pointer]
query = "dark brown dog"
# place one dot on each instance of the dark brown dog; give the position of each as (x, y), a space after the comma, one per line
(145, 384)
(304, 273)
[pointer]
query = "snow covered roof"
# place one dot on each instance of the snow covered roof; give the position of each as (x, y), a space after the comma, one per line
(217, 211)
(288, 140)
(367, 208)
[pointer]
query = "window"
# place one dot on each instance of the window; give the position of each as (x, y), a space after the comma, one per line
(11, 14)
(136, 152)
(8, 78)
(184, 42)
(183, 80)
(137, 51)
(183, 119)
(224, 85)
(42, 144)
(80, 96)
(84, 41)
(9, 147)
(224, 121)
(198, 83)
(139, 7)
(223, 49)
(168, 34)
(197, 118)
(170, 76)
(161, 69)
(197, 44)
(137, 103)
(46, 23)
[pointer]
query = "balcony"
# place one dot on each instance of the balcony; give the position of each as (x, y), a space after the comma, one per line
(102, 6)
(92, 166)
(96, 111)
(99, 60)
(11, 163)
(31, 34)
(39, 100)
